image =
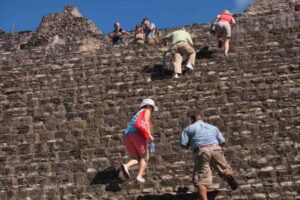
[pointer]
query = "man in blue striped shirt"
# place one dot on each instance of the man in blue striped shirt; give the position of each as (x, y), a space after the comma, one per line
(205, 141)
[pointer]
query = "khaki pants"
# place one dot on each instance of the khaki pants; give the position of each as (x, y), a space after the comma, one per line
(208, 157)
(180, 49)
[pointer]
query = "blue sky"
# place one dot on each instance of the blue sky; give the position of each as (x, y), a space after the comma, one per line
(21, 15)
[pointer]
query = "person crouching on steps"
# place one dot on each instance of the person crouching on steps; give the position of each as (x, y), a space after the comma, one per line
(136, 139)
(206, 141)
(181, 44)
(224, 22)
(117, 35)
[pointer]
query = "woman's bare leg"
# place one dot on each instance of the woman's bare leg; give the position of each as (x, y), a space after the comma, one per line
(226, 46)
(131, 163)
(202, 192)
(143, 164)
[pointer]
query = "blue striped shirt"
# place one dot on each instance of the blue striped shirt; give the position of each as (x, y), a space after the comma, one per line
(201, 133)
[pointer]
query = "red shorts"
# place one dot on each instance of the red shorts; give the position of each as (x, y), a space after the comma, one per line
(135, 144)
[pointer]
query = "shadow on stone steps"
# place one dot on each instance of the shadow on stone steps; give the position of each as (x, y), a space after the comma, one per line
(187, 196)
(162, 71)
(158, 72)
(109, 177)
(205, 53)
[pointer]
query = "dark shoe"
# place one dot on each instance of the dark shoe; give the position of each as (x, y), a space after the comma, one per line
(232, 182)
(125, 171)
(220, 44)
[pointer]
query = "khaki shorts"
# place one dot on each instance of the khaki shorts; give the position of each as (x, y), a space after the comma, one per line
(208, 157)
(223, 29)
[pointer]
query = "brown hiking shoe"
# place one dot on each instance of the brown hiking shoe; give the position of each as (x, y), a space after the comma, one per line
(231, 181)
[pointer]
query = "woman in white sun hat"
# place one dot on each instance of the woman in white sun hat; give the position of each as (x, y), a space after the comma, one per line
(136, 139)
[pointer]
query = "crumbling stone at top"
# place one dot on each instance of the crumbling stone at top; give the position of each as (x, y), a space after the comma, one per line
(69, 22)
(68, 25)
(72, 10)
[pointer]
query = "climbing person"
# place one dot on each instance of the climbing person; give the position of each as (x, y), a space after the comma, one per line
(137, 137)
(181, 44)
(206, 141)
(149, 30)
(139, 35)
(224, 22)
(116, 36)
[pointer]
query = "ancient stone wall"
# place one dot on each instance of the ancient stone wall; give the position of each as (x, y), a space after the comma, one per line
(268, 14)
(64, 108)
(265, 7)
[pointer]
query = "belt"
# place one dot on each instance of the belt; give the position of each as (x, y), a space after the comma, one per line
(208, 145)
(205, 145)
(177, 43)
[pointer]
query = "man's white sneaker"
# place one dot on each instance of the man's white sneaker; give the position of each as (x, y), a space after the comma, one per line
(190, 66)
(140, 180)
(175, 76)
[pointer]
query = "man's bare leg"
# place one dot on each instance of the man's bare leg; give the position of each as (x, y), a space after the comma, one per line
(202, 192)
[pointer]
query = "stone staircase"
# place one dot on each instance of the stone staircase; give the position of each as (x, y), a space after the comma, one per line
(63, 113)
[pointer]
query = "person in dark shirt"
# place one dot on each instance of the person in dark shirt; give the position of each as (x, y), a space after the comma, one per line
(117, 35)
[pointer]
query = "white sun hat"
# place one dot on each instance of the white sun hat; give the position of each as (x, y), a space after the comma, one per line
(148, 102)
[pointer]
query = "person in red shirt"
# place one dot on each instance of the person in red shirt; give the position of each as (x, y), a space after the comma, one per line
(136, 139)
(224, 23)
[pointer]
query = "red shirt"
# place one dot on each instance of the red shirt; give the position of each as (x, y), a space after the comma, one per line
(138, 125)
(226, 17)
